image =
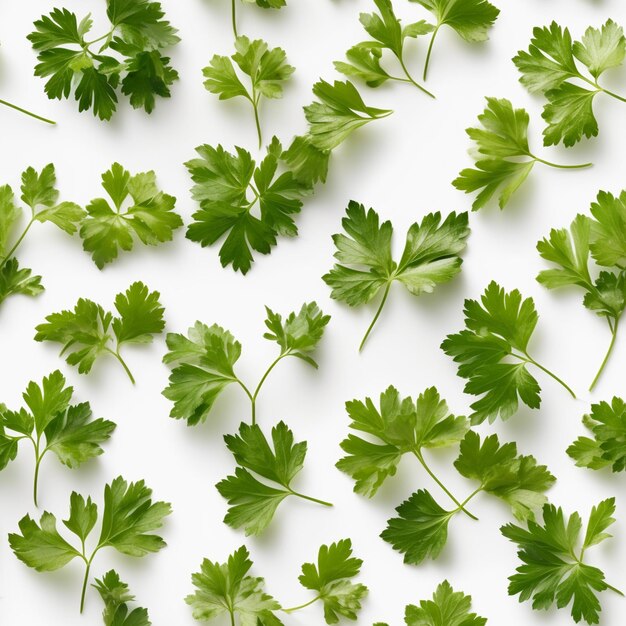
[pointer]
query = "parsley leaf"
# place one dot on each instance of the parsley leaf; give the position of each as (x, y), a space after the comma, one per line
(497, 328)
(52, 425)
(150, 217)
(128, 519)
(40, 194)
(307, 163)
(229, 187)
(402, 426)
(116, 596)
(387, 34)
(138, 32)
(502, 154)
(430, 257)
(89, 331)
(227, 589)
(204, 361)
(253, 502)
(266, 67)
(549, 66)
(552, 554)
(602, 239)
(337, 113)
(607, 423)
(331, 580)
(471, 19)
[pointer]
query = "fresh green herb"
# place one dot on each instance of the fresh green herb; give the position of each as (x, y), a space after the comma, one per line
(550, 66)
(307, 163)
(430, 257)
(471, 19)
(137, 35)
(52, 425)
(229, 187)
(264, 4)
(388, 34)
(116, 596)
(447, 608)
(496, 331)
(40, 194)
(266, 67)
(128, 520)
(421, 530)
(553, 568)
(89, 331)
(253, 503)
(502, 154)
(139, 210)
(607, 423)
(602, 238)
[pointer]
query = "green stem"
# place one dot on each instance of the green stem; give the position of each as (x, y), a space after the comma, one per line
(36, 478)
(461, 506)
(430, 50)
(255, 106)
(411, 79)
(471, 495)
(11, 252)
(293, 609)
(233, 17)
(557, 165)
(614, 589)
(118, 356)
(254, 396)
(232, 617)
(612, 94)
(607, 356)
(552, 375)
(378, 312)
(27, 112)
(310, 499)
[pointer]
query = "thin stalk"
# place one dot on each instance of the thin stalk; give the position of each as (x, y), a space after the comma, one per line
(430, 50)
(614, 589)
(293, 609)
(471, 495)
(378, 312)
(412, 80)
(263, 379)
(613, 95)
(11, 252)
(461, 506)
(552, 375)
(232, 617)
(118, 356)
(608, 354)
(233, 17)
(27, 112)
(36, 478)
(309, 498)
(557, 165)
(255, 106)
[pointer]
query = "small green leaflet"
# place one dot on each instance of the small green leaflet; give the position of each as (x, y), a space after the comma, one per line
(128, 521)
(603, 239)
(253, 502)
(331, 580)
(227, 589)
(498, 328)
(89, 331)
(338, 111)
(203, 362)
(139, 210)
(40, 194)
(553, 570)
(552, 66)
(607, 448)
(447, 608)
(387, 34)
(307, 163)
(52, 424)
(266, 67)
(116, 596)
(400, 426)
(430, 256)
(470, 19)
(247, 205)
(502, 154)
(70, 63)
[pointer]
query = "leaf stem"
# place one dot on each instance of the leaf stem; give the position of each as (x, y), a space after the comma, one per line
(552, 375)
(612, 94)
(118, 356)
(255, 106)
(378, 312)
(233, 17)
(27, 112)
(461, 505)
(36, 478)
(621, 593)
(430, 50)
(608, 353)
(310, 499)
(412, 80)
(557, 165)
(293, 609)
(11, 252)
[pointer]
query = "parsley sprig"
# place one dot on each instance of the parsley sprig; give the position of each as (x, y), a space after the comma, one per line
(116, 596)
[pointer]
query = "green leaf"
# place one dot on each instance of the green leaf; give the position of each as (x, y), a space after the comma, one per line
(552, 570)
(116, 596)
(226, 589)
(601, 49)
(607, 423)
(364, 63)
(517, 480)
(331, 578)
(83, 516)
(9, 216)
(569, 114)
(149, 75)
(307, 163)
(607, 243)
(14, 280)
(203, 369)
(401, 425)
(337, 113)
(447, 608)
(421, 530)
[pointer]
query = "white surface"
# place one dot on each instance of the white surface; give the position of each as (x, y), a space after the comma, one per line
(402, 166)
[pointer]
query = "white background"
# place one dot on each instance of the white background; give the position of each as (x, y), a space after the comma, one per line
(402, 166)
